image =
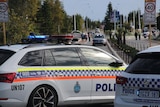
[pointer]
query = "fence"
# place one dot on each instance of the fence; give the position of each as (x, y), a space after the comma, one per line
(127, 55)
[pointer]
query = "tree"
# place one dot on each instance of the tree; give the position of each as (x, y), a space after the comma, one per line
(45, 17)
(59, 15)
(67, 24)
(21, 19)
(95, 24)
(108, 25)
(79, 22)
(51, 17)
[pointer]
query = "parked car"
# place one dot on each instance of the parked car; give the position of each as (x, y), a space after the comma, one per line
(139, 84)
(146, 34)
(97, 30)
(99, 39)
(76, 35)
(43, 75)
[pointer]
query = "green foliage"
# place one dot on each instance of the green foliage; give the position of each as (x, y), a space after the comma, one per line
(21, 19)
(67, 24)
(108, 25)
(45, 18)
(79, 22)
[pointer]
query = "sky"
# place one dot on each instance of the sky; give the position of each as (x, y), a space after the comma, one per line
(96, 9)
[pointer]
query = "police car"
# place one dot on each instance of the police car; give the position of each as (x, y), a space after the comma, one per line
(40, 75)
(139, 85)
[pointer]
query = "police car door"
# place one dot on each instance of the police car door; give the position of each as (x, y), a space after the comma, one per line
(103, 75)
(73, 80)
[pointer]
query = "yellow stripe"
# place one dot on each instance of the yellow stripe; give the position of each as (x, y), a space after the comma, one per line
(71, 68)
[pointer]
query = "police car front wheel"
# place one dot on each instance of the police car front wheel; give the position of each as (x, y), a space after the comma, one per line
(43, 96)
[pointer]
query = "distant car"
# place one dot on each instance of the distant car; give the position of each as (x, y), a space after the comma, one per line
(76, 35)
(155, 33)
(41, 75)
(139, 84)
(97, 30)
(146, 34)
(99, 39)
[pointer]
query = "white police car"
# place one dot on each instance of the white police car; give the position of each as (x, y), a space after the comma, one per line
(139, 85)
(51, 75)
(99, 39)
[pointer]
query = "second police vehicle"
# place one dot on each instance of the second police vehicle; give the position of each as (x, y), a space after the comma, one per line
(139, 84)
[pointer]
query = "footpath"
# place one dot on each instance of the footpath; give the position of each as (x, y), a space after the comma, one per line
(141, 44)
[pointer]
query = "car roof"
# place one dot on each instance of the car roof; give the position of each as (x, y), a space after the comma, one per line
(18, 47)
(151, 49)
(13, 47)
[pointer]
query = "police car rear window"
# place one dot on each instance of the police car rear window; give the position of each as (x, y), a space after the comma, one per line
(4, 55)
(147, 63)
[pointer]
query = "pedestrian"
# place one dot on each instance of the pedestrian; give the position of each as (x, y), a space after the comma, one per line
(110, 34)
(139, 35)
(89, 36)
(136, 34)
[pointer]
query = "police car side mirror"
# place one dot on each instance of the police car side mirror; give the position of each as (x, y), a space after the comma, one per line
(116, 64)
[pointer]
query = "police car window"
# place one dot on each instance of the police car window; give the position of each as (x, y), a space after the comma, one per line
(33, 58)
(145, 64)
(48, 58)
(96, 57)
(66, 57)
(4, 55)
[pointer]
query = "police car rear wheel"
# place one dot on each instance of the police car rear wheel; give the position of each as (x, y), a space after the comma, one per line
(43, 96)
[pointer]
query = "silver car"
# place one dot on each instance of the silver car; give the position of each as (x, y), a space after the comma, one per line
(99, 39)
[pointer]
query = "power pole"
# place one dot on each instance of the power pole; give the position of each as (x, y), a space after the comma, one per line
(134, 20)
(115, 20)
(75, 22)
(139, 20)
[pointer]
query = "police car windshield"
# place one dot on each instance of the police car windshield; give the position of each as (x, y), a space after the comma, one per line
(145, 64)
(4, 55)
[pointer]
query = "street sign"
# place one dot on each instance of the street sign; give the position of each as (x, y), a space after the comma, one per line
(150, 12)
(115, 17)
(3, 11)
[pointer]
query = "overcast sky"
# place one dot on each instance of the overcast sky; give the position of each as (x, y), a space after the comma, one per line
(96, 9)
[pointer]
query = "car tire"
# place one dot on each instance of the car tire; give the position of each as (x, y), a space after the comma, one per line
(43, 96)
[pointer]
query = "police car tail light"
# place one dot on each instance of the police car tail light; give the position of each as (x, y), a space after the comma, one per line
(8, 77)
(121, 80)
